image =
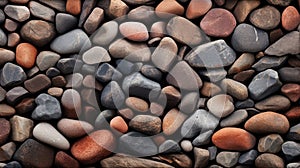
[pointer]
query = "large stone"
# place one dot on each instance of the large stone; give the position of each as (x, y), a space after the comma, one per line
(9, 79)
(74, 128)
(105, 34)
(290, 18)
(259, 16)
(48, 108)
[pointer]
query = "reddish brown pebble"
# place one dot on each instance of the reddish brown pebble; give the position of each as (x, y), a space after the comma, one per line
(266, 160)
(290, 18)
(119, 124)
(172, 121)
(71, 102)
(275, 35)
(292, 91)
(137, 104)
(6, 110)
(13, 39)
(37, 83)
(156, 109)
(127, 113)
(235, 139)
(293, 114)
(197, 8)
(243, 8)
(26, 55)
(218, 22)
(26, 105)
(169, 7)
(73, 7)
(74, 128)
(210, 89)
(134, 31)
(59, 81)
(64, 160)
(268, 122)
(4, 131)
(244, 75)
(94, 147)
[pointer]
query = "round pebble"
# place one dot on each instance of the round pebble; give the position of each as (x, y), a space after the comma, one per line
(134, 31)
(197, 8)
(119, 124)
(290, 18)
(26, 55)
(220, 105)
(266, 18)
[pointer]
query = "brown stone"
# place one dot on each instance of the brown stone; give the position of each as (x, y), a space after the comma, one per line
(59, 81)
(234, 88)
(293, 114)
(244, 75)
(172, 121)
(243, 140)
(290, 18)
(220, 105)
(274, 103)
(158, 29)
(134, 31)
(26, 55)
(244, 62)
(176, 160)
(265, 18)
(74, 128)
(13, 39)
(19, 1)
(73, 7)
(10, 25)
(7, 151)
(137, 104)
(197, 8)
(6, 110)
(275, 35)
(37, 83)
(94, 147)
(267, 122)
(230, 4)
(64, 160)
(71, 102)
(293, 61)
(172, 94)
(55, 91)
(21, 128)
(4, 131)
(269, 160)
(26, 105)
(90, 82)
(127, 113)
(119, 124)
(146, 124)
(94, 20)
(169, 6)
(156, 109)
(210, 89)
(243, 8)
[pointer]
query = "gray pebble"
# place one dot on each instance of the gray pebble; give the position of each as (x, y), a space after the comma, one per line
(203, 138)
(105, 34)
(69, 65)
(287, 74)
(107, 73)
(3, 38)
(19, 13)
(2, 16)
(48, 108)
(212, 152)
(41, 11)
(112, 96)
(46, 59)
(267, 62)
(294, 133)
(291, 149)
(228, 159)
(14, 95)
(12, 75)
(102, 120)
(234, 119)
(52, 72)
(248, 103)
(65, 22)
(169, 146)
(249, 157)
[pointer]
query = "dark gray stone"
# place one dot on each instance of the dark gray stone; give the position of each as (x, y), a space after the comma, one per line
(102, 121)
(212, 152)
(46, 59)
(13, 164)
(105, 34)
(216, 54)
(264, 84)
(12, 75)
(249, 157)
(228, 159)
(65, 22)
(151, 72)
(41, 11)
(126, 67)
(248, 103)
(234, 119)
(3, 38)
(203, 138)
(112, 96)
(14, 95)
(291, 149)
(213, 75)
(169, 146)
(88, 69)
(69, 65)
(48, 108)
(107, 73)
(2, 94)
(267, 62)
(2, 16)
(189, 102)
(247, 38)
(288, 74)
(52, 72)
(294, 133)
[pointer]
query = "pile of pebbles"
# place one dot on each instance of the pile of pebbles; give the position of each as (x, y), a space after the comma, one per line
(146, 83)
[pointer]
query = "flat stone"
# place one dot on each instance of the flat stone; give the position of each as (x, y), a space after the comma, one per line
(48, 108)
(112, 96)
(74, 128)
(248, 158)
(228, 159)
(243, 139)
(243, 8)
(292, 91)
(257, 40)
(202, 138)
(201, 157)
(9, 79)
(244, 62)
(59, 81)
(96, 55)
(290, 18)
(291, 149)
(59, 5)
(7, 151)
(269, 160)
(94, 20)
(279, 2)
(146, 124)
(6, 56)
(46, 59)
(21, 128)
(105, 34)
(274, 103)
(37, 83)
(263, 123)
(184, 31)
(288, 44)
(270, 143)
(264, 84)
(6, 110)
(197, 8)
(176, 160)
(34, 154)
(287, 74)
(234, 88)
(64, 160)
(220, 105)
(169, 146)
(259, 16)
(3, 38)
(16, 12)
(41, 11)
(213, 75)
(65, 22)
(172, 121)
(38, 32)
(5, 130)
(137, 104)
(268, 62)
(169, 7)
(14, 95)
(234, 119)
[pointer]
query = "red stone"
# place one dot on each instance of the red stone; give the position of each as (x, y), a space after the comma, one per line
(292, 91)
(26, 55)
(290, 18)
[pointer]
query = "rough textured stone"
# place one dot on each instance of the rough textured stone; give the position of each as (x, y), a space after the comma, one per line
(146, 124)
(73, 7)
(94, 20)
(268, 13)
(9, 79)
(201, 157)
(21, 128)
(48, 108)
(270, 143)
(228, 159)
(279, 2)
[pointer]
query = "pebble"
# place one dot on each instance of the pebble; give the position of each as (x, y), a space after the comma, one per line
(46, 133)
(112, 96)
(151, 72)
(147, 124)
(37, 83)
(96, 55)
(186, 145)
(120, 5)
(6, 110)
(46, 59)
(52, 72)
(94, 20)
(293, 113)
(243, 139)
(71, 42)
(58, 5)
(9, 79)
(186, 32)
(16, 12)
(172, 121)
(259, 16)
(103, 118)
(203, 138)
(48, 108)
(14, 95)
(13, 39)
(268, 62)
(179, 160)
(65, 22)
(201, 157)
(290, 18)
(25, 106)
(134, 31)
(287, 74)
(10, 25)
(3, 38)
(2, 94)
(119, 124)
(158, 29)
(293, 165)
(198, 122)
(34, 154)
(74, 80)
(263, 123)
(234, 119)
(38, 32)
(21, 128)
(243, 8)
(41, 11)
(220, 105)
(2, 16)
(7, 151)
(269, 160)
(73, 7)
(64, 160)
(244, 62)
(5, 130)
(156, 109)
(87, 8)
(144, 14)
(106, 73)
(292, 91)
(105, 34)
(137, 104)
(59, 81)
(248, 103)
(167, 7)
(248, 158)
(90, 82)
(279, 2)
(234, 88)
(71, 102)
(197, 8)
(213, 75)
(172, 95)
(288, 44)
(216, 54)
(291, 150)
(74, 128)
(274, 103)
(68, 65)
(228, 159)
(264, 84)
(6, 56)
(169, 146)
(257, 40)
(218, 22)
(294, 133)
(270, 143)
(189, 102)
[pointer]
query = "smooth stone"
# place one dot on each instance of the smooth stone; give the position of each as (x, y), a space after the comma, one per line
(158, 29)
(274, 103)
(38, 32)
(73, 7)
(16, 12)
(55, 91)
(291, 149)
(234, 119)
(119, 124)
(220, 105)
(212, 152)
(68, 65)
(48, 108)
(37, 83)
(270, 143)
(264, 84)
(112, 96)
(46, 59)
(94, 20)
(34, 154)
(202, 138)
(52, 72)
(2, 94)
(259, 16)
(169, 146)
(257, 40)
(120, 160)
(74, 128)
(176, 159)
(94, 147)
(186, 145)
(106, 73)
(59, 81)
(65, 22)
(172, 95)
(213, 75)
(228, 159)
(151, 72)
(156, 109)
(10, 25)
(74, 80)
(275, 35)
(165, 8)
(263, 123)
(288, 44)
(293, 165)
(14, 95)
(128, 67)
(137, 104)
(184, 31)
(189, 102)
(290, 18)
(201, 157)
(197, 8)
(198, 122)
(244, 62)
(103, 118)
(279, 2)
(294, 133)
(105, 34)
(87, 8)
(235, 89)
(134, 31)
(243, 139)
(287, 74)
(243, 8)
(5, 130)
(6, 110)
(269, 160)
(139, 144)
(116, 4)
(9, 79)
(96, 55)
(6, 56)
(293, 114)
(210, 89)
(269, 62)
(216, 54)
(46, 133)
(144, 14)
(124, 49)
(248, 158)
(292, 91)
(56, 4)
(62, 159)
(3, 38)
(71, 103)
(71, 42)
(21, 128)
(13, 164)
(7, 151)
(172, 121)
(2, 16)
(146, 124)
(41, 11)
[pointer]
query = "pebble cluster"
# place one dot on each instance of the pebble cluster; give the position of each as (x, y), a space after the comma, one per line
(147, 83)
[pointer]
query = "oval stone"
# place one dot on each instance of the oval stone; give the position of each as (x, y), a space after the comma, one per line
(290, 18)
(266, 18)
(134, 31)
